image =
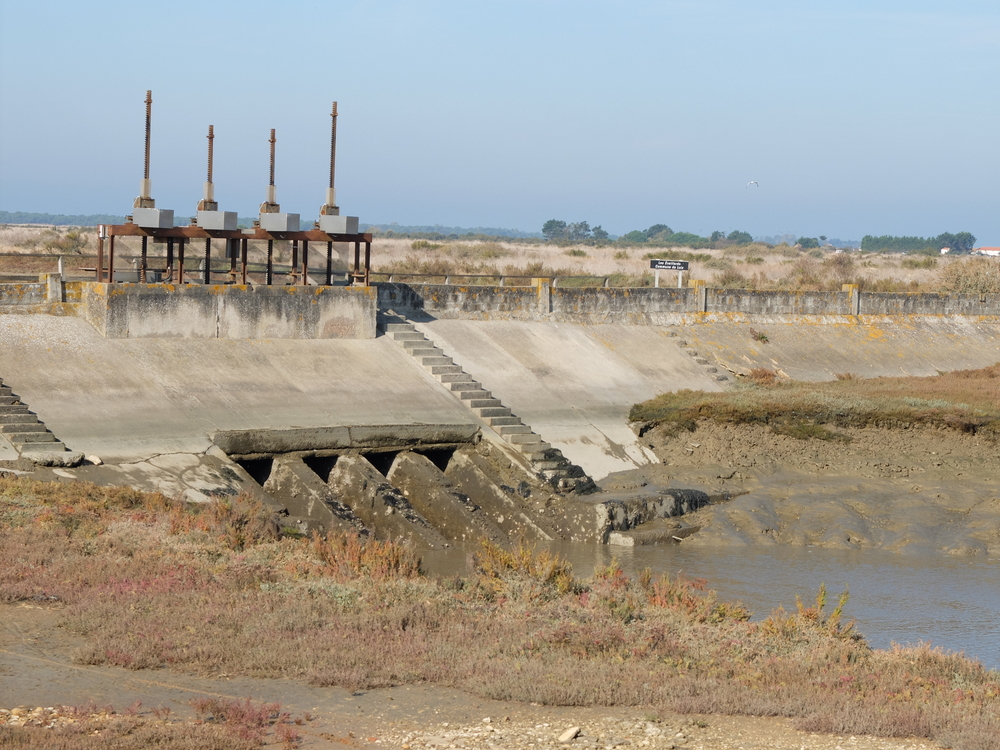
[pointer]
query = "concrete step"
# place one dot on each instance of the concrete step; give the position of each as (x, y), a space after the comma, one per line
(498, 421)
(5, 391)
(399, 327)
(30, 437)
(416, 343)
(701, 361)
(455, 377)
(432, 361)
(479, 403)
(464, 385)
(54, 447)
(493, 411)
(535, 452)
(9, 400)
(14, 409)
(446, 369)
(547, 464)
(407, 335)
(24, 427)
(513, 429)
(22, 418)
(522, 437)
(426, 351)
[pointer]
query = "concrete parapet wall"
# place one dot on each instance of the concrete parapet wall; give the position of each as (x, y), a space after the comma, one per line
(23, 294)
(664, 306)
(883, 303)
(229, 312)
(777, 302)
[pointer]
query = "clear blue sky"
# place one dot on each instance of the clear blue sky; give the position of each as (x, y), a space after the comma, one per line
(855, 117)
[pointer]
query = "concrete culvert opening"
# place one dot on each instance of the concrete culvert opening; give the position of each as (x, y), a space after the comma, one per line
(322, 465)
(382, 460)
(259, 469)
(440, 457)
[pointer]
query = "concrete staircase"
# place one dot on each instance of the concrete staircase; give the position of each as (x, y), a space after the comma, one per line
(22, 428)
(547, 462)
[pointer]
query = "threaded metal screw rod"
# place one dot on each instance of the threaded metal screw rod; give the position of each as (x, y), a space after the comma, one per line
(211, 137)
(149, 117)
(272, 141)
(333, 143)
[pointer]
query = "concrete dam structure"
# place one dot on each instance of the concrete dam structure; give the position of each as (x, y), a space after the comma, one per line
(436, 414)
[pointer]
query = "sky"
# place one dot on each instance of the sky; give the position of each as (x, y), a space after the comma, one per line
(854, 117)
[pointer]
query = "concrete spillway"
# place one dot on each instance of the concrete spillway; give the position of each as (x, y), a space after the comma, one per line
(575, 384)
(346, 432)
(129, 399)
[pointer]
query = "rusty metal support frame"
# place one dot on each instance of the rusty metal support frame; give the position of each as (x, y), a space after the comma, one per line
(207, 277)
(360, 275)
(100, 257)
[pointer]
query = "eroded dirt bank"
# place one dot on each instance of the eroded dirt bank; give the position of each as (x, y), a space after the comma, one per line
(906, 490)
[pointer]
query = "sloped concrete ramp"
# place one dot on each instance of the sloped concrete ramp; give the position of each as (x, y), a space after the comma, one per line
(820, 347)
(574, 384)
(131, 399)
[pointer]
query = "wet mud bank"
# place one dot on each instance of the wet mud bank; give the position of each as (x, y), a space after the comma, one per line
(912, 491)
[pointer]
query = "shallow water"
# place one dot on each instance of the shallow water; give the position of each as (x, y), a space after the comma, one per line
(951, 602)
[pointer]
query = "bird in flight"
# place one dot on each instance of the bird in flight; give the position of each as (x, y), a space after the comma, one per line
(752, 182)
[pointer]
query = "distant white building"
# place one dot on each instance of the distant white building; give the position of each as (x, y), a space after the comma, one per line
(945, 250)
(992, 251)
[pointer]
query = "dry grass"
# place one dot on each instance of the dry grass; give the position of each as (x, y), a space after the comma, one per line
(755, 266)
(154, 583)
(964, 400)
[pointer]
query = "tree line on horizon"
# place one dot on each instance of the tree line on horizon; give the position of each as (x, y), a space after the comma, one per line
(962, 242)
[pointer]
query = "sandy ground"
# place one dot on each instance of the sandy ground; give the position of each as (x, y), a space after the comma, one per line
(913, 491)
(37, 669)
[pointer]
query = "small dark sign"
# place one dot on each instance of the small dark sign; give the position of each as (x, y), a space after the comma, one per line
(660, 264)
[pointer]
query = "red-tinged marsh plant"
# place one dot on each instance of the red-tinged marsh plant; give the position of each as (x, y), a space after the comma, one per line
(521, 573)
(690, 597)
(786, 625)
(348, 555)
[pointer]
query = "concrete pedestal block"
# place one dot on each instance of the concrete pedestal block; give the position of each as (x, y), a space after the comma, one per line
(153, 218)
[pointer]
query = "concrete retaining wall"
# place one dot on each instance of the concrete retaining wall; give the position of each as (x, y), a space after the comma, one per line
(930, 304)
(23, 294)
(650, 306)
(777, 303)
(229, 312)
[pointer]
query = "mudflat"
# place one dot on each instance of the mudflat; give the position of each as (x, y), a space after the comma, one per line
(910, 490)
